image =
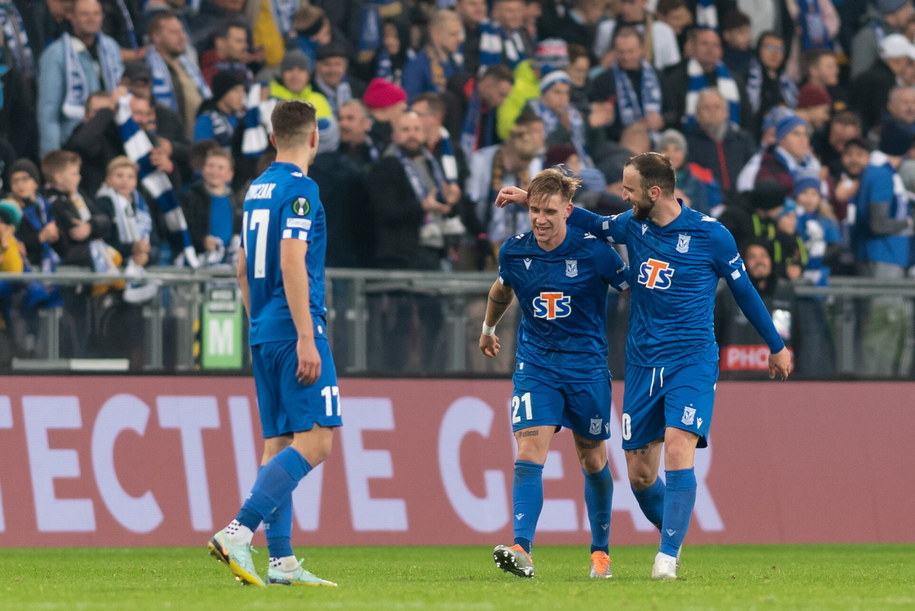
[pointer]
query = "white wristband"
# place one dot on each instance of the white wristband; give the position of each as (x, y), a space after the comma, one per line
(487, 330)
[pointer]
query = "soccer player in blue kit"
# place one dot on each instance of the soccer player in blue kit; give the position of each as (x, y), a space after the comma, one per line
(281, 275)
(676, 256)
(560, 275)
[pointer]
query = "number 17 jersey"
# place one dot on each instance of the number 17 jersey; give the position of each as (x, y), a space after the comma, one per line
(282, 204)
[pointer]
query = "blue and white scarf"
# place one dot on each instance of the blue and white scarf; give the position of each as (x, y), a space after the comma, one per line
(814, 34)
(17, 39)
(498, 46)
(255, 139)
(755, 82)
(336, 96)
(630, 110)
(809, 166)
(697, 82)
(162, 87)
(369, 33)
(223, 127)
(77, 82)
(420, 189)
(449, 161)
(706, 14)
(38, 215)
(138, 147)
(283, 12)
(551, 123)
(132, 39)
(133, 225)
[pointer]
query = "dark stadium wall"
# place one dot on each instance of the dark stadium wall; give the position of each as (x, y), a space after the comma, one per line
(110, 461)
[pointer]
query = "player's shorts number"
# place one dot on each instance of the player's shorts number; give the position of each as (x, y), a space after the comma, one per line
(331, 396)
(627, 426)
(260, 220)
(517, 402)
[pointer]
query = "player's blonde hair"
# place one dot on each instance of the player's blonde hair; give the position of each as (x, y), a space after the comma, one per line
(551, 182)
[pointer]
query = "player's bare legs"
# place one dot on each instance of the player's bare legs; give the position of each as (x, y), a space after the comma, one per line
(592, 455)
(527, 499)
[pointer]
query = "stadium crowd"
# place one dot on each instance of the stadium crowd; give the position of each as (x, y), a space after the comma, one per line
(130, 131)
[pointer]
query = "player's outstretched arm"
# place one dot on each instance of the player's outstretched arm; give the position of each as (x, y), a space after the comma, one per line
(780, 364)
(295, 284)
(511, 195)
(500, 297)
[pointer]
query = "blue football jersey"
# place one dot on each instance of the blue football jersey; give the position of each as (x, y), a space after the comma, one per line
(282, 204)
(563, 298)
(674, 275)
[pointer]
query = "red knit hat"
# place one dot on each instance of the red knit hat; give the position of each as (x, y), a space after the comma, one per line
(812, 95)
(382, 94)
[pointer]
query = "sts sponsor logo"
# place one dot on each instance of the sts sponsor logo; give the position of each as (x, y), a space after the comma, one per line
(655, 274)
(552, 305)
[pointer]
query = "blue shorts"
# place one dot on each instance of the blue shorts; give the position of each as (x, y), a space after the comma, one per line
(583, 407)
(678, 396)
(285, 404)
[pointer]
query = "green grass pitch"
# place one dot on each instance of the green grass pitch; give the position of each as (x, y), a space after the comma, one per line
(464, 577)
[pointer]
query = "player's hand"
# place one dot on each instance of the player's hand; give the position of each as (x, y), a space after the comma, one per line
(490, 345)
(309, 369)
(780, 363)
(511, 195)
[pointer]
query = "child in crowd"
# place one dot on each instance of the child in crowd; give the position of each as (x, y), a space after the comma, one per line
(212, 211)
(37, 232)
(132, 232)
(818, 228)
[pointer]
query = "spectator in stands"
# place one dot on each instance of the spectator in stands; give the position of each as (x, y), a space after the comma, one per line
(355, 142)
(660, 41)
(294, 83)
(783, 161)
(502, 37)
(821, 68)
(472, 13)
(845, 176)
(210, 22)
(578, 70)
(18, 89)
(78, 220)
(767, 83)
(176, 79)
(741, 347)
(332, 78)
(388, 63)
(46, 21)
(220, 115)
(312, 29)
(883, 243)
(271, 27)
(593, 181)
(813, 106)
(71, 68)
(843, 127)
(885, 18)
(431, 68)
(818, 228)
(508, 164)
(717, 143)
(410, 198)
(701, 69)
(132, 233)
(212, 211)
(737, 43)
(696, 185)
(552, 54)
(386, 102)
(11, 256)
(229, 52)
(472, 105)
(562, 122)
(677, 15)
(870, 89)
(38, 232)
(901, 108)
(633, 83)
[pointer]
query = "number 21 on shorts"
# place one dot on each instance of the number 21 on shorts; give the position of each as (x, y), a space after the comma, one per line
(517, 402)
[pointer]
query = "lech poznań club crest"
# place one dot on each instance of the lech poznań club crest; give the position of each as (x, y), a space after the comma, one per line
(301, 206)
(571, 268)
(683, 243)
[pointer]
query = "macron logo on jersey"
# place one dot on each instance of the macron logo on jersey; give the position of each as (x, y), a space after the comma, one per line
(552, 305)
(655, 274)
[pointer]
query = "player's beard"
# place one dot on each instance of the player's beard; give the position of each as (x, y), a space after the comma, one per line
(642, 208)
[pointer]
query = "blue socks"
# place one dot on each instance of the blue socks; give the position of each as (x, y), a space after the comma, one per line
(527, 501)
(651, 501)
(273, 489)
(678, 508)
(598, 500)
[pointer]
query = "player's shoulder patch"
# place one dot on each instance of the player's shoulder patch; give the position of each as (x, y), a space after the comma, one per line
(589, 236)
(301, 206)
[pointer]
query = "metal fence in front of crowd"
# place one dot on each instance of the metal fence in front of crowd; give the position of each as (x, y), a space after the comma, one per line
(397, 324)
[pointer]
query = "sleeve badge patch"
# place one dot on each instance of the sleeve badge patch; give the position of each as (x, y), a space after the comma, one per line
(301, 206)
